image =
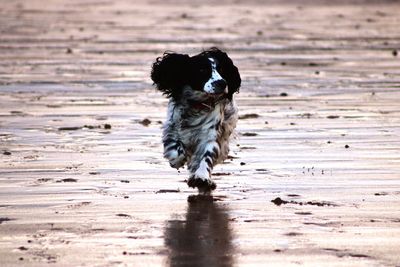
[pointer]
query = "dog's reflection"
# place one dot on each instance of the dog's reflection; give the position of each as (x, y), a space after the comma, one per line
(203, 238)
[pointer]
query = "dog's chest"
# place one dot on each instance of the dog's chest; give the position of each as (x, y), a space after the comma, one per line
(201, 123)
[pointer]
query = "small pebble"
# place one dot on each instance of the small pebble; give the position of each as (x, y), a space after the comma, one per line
(145, 122)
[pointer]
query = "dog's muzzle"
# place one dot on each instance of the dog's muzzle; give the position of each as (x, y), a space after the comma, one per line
(219, 87)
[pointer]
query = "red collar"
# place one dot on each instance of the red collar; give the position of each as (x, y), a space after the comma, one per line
(207, 105)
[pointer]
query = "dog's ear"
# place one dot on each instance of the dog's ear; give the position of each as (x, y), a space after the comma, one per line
(169, 73)
(227, 69)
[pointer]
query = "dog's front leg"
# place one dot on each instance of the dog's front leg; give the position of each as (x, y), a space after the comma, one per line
(201, 166)
(174, 149)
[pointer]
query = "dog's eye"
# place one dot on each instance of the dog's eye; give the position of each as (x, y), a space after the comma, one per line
(203, 70)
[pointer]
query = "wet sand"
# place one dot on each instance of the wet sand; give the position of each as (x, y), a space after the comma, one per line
(314, 175)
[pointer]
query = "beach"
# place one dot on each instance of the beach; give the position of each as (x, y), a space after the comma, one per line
(313, 173)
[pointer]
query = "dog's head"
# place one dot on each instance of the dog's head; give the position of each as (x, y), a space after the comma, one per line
(209, 74)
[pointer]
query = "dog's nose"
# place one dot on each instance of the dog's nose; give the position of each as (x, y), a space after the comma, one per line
(219, 86)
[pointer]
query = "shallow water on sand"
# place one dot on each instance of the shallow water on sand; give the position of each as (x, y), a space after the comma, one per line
(313, 177)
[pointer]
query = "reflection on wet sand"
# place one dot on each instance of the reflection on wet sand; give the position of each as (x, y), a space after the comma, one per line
(203, 238)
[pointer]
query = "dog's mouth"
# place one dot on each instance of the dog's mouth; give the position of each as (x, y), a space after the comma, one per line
(214, 95)
(215, 98)
(209, 101)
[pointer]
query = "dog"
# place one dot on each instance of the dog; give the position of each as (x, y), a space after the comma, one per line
(202, 113)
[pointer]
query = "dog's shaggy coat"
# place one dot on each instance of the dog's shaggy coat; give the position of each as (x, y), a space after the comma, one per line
(202, 113)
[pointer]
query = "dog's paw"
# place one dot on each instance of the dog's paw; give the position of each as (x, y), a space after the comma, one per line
(177, 162)
(203, 184)
(176, 157)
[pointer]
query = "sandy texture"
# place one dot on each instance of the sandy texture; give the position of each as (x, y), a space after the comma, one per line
(314, 174)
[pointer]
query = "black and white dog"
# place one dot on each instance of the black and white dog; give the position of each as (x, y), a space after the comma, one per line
(202, 113)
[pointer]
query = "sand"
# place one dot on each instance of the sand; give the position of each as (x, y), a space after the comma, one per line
(314, 175)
